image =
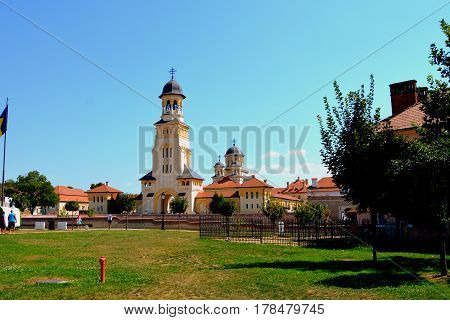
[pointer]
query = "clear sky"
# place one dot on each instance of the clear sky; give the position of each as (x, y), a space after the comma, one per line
(240, 63)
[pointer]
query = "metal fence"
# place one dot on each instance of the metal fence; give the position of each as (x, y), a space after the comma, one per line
(259, 229)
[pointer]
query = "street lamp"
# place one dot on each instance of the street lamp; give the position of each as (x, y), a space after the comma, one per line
(163, 197)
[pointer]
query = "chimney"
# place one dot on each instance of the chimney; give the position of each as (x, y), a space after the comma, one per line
(423, 93)
(403, 95)
(306, 182)
(287, 184)
(265, 180)
(314, 182)
(107, 183)
(253, 176)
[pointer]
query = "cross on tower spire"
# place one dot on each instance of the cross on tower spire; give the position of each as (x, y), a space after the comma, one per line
(234, 142)
(172, 72)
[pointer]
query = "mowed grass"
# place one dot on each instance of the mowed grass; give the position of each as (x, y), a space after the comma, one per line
(154, 264)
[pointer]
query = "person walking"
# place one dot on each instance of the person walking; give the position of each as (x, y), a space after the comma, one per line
(79, 221)
(2, 221)
(109, 220)
(12, 222)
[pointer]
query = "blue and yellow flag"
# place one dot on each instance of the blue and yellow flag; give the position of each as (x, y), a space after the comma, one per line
(4, 121)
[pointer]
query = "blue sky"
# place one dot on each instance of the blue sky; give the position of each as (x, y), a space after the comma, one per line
(239, 63)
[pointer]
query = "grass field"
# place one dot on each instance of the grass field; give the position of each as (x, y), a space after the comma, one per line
(153, 264)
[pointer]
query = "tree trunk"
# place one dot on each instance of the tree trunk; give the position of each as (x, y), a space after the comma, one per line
(443, 258)
(373, 220)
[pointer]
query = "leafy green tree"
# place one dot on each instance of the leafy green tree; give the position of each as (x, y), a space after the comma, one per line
(311, 212)
(227, 208)
(72, 206)
(273, 210)
(123, 203)
(427, 167)
(358, 152)
(216, 203)
(31, 191)
(178, 205)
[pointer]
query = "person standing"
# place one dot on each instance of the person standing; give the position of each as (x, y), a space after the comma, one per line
(109, 220)
(79, 221)
(12, 222)
(2, 221)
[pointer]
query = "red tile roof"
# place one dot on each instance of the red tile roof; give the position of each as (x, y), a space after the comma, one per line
(225, 183)
(224, 193)
(325, 184)
(66, 194)
(104, 189)
(284, 197)
(255, 183)
(406, 118)
(298, 186)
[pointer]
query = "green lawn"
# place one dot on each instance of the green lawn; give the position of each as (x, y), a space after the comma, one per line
(153, 264)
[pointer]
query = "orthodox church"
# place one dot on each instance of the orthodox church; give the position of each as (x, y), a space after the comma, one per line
(172, 174)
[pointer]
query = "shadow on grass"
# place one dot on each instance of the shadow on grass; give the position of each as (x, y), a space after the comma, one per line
(395, 272)
(372, 280)
(396, 263)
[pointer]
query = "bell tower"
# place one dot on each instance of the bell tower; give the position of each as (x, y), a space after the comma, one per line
(171, 173)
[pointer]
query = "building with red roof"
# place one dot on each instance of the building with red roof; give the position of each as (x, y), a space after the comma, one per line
(99, 197)
(406, 103)
(66, 194)
(325, 191)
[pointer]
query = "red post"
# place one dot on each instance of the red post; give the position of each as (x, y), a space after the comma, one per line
(102, 269)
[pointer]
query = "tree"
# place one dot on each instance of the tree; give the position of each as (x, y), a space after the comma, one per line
(216, 203)
(123, 203)
(72, 206)
(273, 210)
(428, 166)
(31, 191)
(358, 152)
(227, 208)
(178, 205)
(311, 212)
(95, 185)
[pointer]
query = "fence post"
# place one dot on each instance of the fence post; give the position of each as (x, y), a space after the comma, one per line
(260, 232)
(298, 232)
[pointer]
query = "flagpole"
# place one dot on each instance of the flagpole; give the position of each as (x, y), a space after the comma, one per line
(4, 158)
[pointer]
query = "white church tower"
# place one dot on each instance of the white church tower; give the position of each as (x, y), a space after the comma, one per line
(171, 173)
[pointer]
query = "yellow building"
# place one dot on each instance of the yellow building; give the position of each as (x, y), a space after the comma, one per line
(99, 197)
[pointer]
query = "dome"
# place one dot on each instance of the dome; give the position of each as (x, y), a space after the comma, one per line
(219, 164)
(172, 87)
(234, 150)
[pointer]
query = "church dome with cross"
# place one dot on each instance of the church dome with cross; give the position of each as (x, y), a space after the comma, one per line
(172, 87)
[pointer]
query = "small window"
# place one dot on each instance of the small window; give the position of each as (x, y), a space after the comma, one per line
(246, 205)
(251, 195)
(257, 205)
(246, 195)
(257, 194)
(170, 169)
(252, 205)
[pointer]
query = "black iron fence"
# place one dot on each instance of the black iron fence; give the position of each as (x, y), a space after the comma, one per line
(259, 229)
